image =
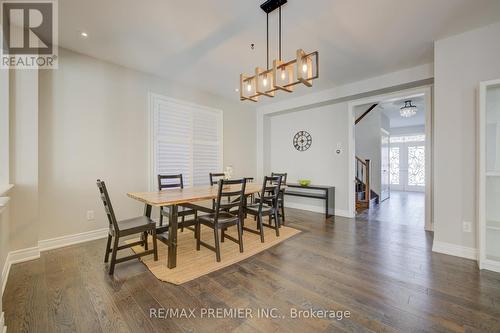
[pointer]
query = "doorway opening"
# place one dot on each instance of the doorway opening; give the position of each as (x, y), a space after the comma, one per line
(392, 157)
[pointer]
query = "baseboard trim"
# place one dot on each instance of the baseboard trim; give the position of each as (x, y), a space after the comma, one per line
(491, 266)
(455, 250)
(58, 242)
(316, 209)
(15, 257)
(32, 253)
(2, 323)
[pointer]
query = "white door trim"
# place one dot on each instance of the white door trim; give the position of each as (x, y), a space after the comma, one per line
(427, 91)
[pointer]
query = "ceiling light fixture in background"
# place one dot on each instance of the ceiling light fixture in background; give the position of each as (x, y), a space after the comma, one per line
(282, 75)
(408, 110)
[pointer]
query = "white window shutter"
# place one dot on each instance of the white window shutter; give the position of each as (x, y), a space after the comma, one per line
(187, 139)
(206, 146)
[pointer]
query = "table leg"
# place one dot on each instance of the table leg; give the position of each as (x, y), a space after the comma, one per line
(147, 213)
(172, 237)
(147, 210)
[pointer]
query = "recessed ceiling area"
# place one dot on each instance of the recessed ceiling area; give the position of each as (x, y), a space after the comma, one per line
(206, 44)
(391, 110)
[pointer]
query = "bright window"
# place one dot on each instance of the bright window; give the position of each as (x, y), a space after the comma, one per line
(407, 138)
(186, 138)
(407, 162)
(416, 166)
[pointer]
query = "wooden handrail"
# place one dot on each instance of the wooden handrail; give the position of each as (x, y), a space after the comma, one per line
(365, 113)
(361, 161)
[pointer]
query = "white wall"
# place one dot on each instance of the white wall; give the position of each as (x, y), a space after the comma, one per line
(24, 221)
(408, 130)
(369, 142)
(461, 62)
(336, 102)
(320, 163)
(4, 126)
(4, 173)
(93, 124)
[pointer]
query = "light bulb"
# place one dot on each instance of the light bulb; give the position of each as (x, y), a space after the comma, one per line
(282, 74)
(265, 82)
(249, 87)
(304, 68)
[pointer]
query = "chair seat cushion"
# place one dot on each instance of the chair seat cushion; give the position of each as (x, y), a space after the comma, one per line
(254, 209)
(224, 217)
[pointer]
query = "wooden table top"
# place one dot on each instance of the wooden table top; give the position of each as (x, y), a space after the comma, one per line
(185, 195)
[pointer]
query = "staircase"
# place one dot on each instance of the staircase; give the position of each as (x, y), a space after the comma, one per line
(366, 198)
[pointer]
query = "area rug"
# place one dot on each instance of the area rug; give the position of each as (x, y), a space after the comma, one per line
(192, 264)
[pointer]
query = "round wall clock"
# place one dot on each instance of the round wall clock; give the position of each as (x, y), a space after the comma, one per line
(302, 141)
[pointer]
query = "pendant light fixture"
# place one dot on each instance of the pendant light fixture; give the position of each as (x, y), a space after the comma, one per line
(408, 110)
(282, 75)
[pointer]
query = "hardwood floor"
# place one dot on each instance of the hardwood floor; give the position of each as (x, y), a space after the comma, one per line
(385, 275)
(401, 208)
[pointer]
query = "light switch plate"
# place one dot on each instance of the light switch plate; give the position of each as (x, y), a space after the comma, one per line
(90, 215)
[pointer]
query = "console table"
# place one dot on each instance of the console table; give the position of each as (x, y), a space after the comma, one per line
(324, 193)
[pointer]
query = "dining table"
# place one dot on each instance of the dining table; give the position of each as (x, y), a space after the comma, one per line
(173, 198)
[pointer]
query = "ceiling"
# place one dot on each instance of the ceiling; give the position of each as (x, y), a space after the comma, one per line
(391, 110)
(206, 44)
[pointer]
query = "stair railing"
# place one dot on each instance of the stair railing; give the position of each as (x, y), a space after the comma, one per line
(363, 175)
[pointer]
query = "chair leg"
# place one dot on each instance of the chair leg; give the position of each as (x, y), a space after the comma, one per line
(277, 222)
(145, 237)
(261, 228)
(113, 256)
(161, 216)
(198, 235)
(282, 211)
(182, 225)
(240, 236)
(217, 244)
(195, 218)
(155, 245)
(222, 234)
(108, 249)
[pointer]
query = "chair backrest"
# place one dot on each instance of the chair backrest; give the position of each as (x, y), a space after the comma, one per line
(215, 177)
(249, 179)
(170, 181)
(282, 175)
(107, 204)
(230, 188)
(270, 190)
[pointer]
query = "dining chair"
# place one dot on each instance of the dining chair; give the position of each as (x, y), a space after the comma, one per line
(215, 177)
(226, 214)
(252, 196)
(214, 180)
(268, 205)
(166, 182)
(138, 225)
(282, 194)
(281, 202)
